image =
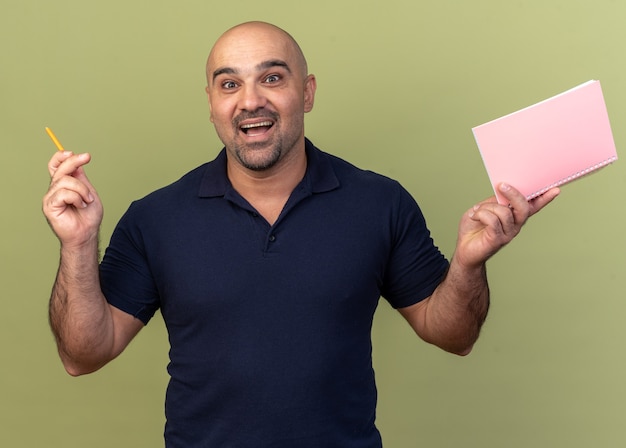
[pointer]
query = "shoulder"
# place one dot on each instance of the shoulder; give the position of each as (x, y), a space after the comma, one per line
(169, 199)
(356, 189)
(350, 175)
(188, 184)
(378, 188)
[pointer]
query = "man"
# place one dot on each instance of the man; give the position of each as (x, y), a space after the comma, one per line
(267, 265)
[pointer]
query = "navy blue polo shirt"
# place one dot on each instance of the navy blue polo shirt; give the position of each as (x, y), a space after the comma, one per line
(269, 326)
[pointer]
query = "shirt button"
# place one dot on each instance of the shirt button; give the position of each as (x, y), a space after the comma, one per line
(272, 238)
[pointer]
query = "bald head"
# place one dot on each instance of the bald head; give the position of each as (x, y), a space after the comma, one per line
(251, 36)
(258, 90)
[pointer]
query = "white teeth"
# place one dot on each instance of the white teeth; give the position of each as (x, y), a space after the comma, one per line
(256, 125)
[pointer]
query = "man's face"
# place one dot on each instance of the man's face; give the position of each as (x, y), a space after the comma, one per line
(258, 93)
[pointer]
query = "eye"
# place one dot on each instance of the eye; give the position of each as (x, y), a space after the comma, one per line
(228, 85)
(270, 79)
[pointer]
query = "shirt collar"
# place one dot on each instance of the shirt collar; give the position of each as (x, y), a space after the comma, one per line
(319, 177)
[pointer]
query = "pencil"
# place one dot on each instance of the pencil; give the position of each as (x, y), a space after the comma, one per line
(55, 140)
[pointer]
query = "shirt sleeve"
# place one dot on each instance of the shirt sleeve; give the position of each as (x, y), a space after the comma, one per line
(416, 266)
(125, 276)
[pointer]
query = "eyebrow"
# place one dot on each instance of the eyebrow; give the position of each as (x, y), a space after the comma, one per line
(262, 66)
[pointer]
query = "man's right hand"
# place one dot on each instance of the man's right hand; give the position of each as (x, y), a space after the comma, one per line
(71, 205)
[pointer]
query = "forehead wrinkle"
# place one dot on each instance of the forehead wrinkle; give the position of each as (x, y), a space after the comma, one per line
(273, 63)
(242, 35)
(259, 67)
(224, 70)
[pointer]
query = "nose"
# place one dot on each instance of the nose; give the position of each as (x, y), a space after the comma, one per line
(252, 98)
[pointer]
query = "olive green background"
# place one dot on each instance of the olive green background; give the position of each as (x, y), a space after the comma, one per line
(400, 84)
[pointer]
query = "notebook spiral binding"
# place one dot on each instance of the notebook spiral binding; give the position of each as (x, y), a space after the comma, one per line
(572, 177)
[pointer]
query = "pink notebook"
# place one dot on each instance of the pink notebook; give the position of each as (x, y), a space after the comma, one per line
(549, 143)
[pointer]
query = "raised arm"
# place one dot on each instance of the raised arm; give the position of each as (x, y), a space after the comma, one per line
(88, 331)
(452, 317)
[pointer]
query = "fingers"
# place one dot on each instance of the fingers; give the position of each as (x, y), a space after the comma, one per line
(68, 191)
(71, 205)
(66, 171)
(510, 219)
(69, 186)
(522, 208)
(66, 163)
(518, 205)
(503, 221)
(56, 160)
(489, 225)
(541, 201)
(498, 218)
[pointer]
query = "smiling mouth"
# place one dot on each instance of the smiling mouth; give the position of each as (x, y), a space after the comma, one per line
(256, 128)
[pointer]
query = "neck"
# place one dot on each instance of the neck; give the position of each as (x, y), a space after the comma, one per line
(268, 191)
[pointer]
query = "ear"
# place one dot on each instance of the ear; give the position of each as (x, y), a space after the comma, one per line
(310, 85)
(208, 95)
